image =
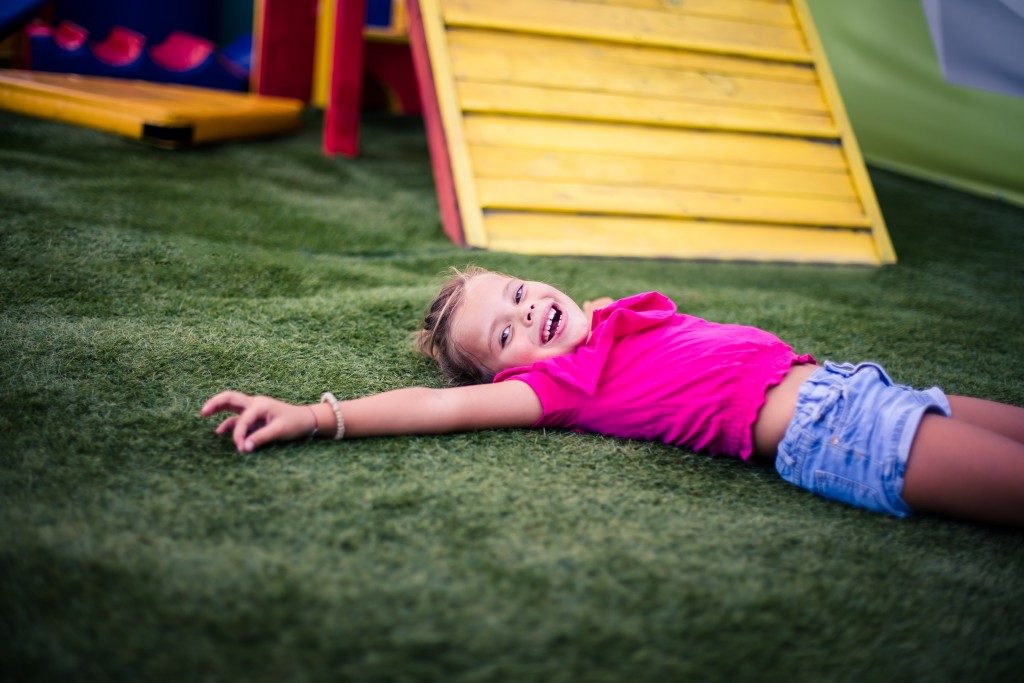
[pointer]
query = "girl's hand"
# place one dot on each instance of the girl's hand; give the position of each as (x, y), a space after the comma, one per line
(590, 306)
(259, 420)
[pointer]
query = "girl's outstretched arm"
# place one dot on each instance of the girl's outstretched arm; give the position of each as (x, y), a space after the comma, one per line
(259, 420)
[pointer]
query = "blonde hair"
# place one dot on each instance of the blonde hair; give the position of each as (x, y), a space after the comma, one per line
(436, 341)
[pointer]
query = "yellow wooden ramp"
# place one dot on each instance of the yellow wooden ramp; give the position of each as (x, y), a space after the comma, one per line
(160, 114)
(707, 129)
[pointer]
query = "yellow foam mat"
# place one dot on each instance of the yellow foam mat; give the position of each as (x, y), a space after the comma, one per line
(164, 115)
(699, 129)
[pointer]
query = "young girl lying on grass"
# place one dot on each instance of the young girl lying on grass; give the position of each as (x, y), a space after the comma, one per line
(636, 368)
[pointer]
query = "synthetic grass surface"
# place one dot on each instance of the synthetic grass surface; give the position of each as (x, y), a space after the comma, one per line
(134, 545)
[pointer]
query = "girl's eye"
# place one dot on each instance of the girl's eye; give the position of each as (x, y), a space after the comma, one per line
(519, 294)
(504, 336)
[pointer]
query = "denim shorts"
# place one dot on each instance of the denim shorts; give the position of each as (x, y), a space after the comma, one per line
(851, 433)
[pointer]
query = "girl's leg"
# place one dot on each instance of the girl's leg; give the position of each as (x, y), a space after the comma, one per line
(962, 470)
(996, 417)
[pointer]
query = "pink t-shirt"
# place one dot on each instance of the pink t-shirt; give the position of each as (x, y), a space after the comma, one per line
(648, 372)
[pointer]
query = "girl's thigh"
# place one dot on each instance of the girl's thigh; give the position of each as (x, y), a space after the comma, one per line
(996, 417)
(960, 469)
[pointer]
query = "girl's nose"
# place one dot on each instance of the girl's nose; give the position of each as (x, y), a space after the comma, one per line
(529, 313)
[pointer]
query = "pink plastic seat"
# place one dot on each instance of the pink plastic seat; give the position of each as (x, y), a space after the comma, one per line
(122, 46)
(181, 51)
(38, 29)
(70, 36)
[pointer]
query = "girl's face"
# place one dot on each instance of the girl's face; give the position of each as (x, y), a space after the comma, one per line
(506, 323)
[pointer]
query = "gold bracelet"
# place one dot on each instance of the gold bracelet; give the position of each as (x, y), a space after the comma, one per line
(328, 397)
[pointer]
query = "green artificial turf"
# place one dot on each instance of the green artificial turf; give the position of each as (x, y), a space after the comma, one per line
(135, 545)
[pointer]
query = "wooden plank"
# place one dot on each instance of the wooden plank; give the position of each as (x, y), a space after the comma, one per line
(587, 106)
(776, 12)
(656, 201)
(690, 129)
(506, 162)
(631, 25)
(641, 56)
(858, 170)
(564, 65)
(163, 114)
(539, 233)
(770, 151)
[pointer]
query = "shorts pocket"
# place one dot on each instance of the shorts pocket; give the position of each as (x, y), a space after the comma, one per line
(836, 487)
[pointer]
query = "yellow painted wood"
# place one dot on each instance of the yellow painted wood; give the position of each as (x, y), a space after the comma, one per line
(614, 23)
(633, 55)
(377, 35)
(645, 128)
(762, 11)
(650, 141)
(87, 113)
(451, 118)
(858, 170)
(506, 162)
(570, 65)
(326, 14)
(124, 107)
(545, 102)
(657, 201)
(533, 233)
(399, 17)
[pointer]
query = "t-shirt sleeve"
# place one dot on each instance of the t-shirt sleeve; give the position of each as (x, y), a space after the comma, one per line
(560, 405)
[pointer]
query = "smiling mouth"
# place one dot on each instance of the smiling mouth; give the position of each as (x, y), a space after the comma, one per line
(552, 325)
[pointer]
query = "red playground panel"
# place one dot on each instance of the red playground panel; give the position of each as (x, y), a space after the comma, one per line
(283, 46)
(390, 65)
(341, 122)
(440, 162)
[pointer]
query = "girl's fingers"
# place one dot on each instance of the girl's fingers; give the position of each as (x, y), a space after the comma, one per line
(265, 434)
(243, 423)
(226, 426)
(234, 401)
(259, 420)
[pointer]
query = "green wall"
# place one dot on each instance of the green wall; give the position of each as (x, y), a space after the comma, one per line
(905, 115)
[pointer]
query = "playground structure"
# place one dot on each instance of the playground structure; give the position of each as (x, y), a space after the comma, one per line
(709, 129)
(289, 35)
(124, 85)
(705, 129)
(388, 71)
(161, 114)
(319, 50)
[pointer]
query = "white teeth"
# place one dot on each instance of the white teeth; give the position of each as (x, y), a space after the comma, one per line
(549, 329)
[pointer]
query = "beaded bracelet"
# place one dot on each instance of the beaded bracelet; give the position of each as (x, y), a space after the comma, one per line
(328, 397)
